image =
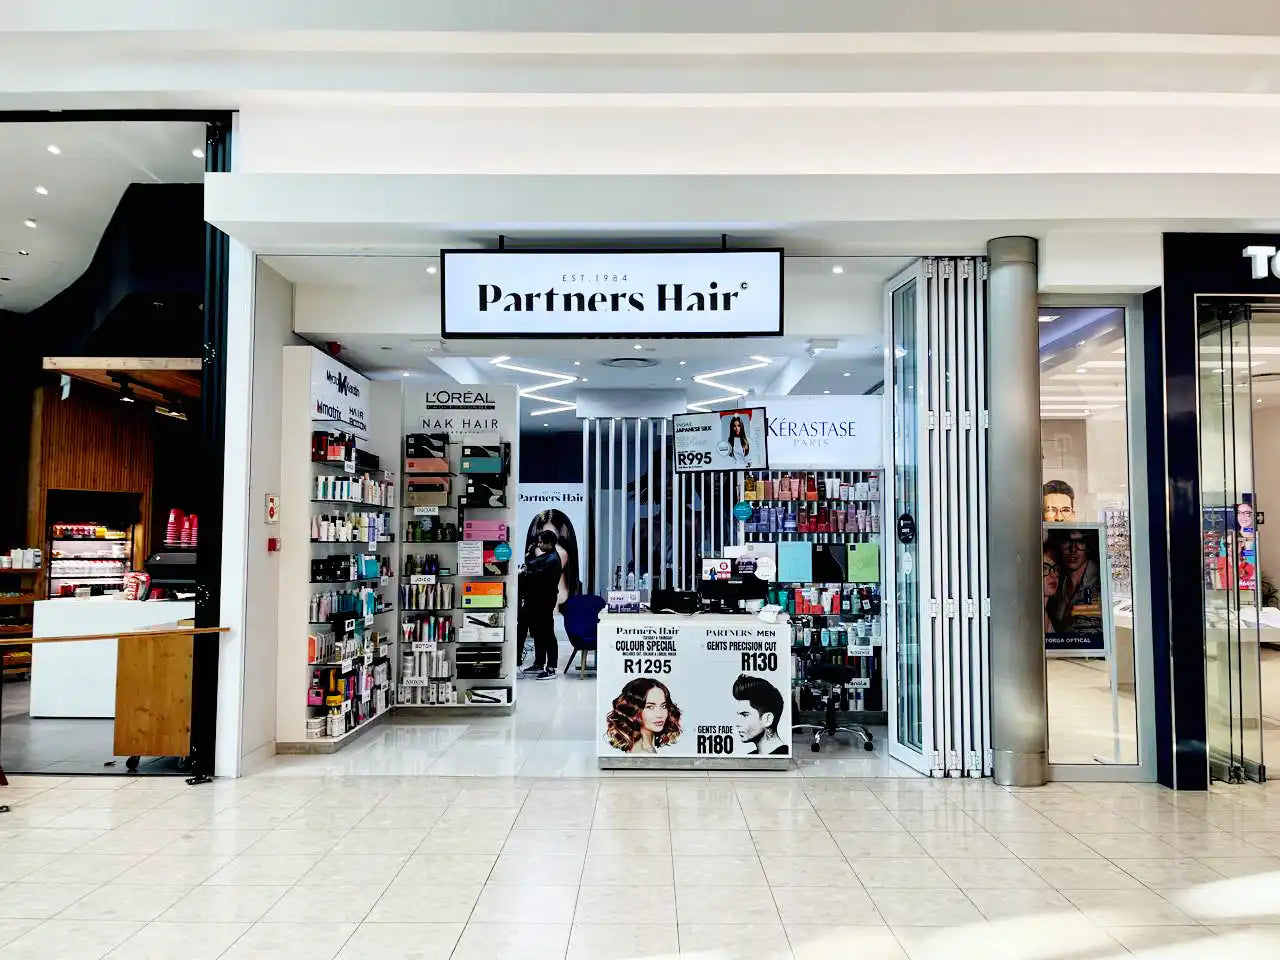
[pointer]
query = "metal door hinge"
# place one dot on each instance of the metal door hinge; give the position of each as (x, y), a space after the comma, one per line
(951, 608)
(968, 420)
(984, 269)
(953, 762)
(974, 770)
(937, 763)
(933, 609)
(948, 420)
(986, 419)
(931, 419)
(928, 267)
(948, 268)
(966, 268)
(988, 760)
(970, 608)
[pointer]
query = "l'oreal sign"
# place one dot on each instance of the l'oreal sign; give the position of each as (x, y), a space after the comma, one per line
(611, 293)
(815, 433)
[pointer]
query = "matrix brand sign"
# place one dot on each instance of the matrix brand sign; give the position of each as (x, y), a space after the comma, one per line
(337, 395)
(835, 433)
(603, 293)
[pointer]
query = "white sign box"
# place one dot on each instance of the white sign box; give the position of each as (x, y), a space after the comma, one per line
(826, 433)
(611, 293)
(338, 394)
(721, 440)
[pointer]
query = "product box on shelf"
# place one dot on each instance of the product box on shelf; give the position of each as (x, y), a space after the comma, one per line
(488, 695)
(433, 446)
(485, 530)
(492, 635)
(427, 465)
(426, 491)
(484, 594)
(484, 491)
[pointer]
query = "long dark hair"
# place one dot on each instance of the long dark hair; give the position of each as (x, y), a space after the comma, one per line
(740, 435)
(624, 724)
(565, 537)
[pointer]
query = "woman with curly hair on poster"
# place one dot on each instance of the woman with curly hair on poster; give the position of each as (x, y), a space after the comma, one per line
(643, 717)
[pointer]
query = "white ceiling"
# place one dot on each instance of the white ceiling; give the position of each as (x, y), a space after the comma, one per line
(84, 182)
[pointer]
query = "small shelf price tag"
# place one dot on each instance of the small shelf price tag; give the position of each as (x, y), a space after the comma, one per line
(349, 466)
(368, 652)
(423, 646)
(368, 621)
(860, 683)
(426, 511)
(349, 625)
(422, 579)
(415, 681)
(861, 650)
(348, 665)
(346, 706)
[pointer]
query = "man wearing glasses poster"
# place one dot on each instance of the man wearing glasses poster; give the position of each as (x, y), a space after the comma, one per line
(1073, 613)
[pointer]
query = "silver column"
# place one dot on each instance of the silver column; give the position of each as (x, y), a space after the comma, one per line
(1019, 727)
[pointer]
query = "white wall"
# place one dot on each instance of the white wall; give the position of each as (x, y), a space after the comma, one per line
(272, 330)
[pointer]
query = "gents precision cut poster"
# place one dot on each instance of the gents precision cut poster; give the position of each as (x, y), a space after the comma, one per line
(721, 440)
(679, 687)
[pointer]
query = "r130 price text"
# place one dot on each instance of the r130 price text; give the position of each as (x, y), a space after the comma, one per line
(759, 662)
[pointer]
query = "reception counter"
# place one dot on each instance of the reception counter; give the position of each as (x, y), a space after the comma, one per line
(79, 679)
(700, 691)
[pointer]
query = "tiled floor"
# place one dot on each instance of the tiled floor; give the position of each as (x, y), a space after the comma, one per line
(398, 867)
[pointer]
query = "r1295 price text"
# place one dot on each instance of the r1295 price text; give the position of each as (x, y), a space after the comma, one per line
(645, 665)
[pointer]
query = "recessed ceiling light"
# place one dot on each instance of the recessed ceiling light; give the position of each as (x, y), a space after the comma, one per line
(546, 424)
(24, 253)
(582, 379)
(42, 190)
(577, 363)
(826, 391)
(1081, 343)
(678, 379)
(198, 153)
(54, 149)
(405, 374)
(1049, 317)
(1082, 369)
(837, 269)
(431, 268)
(30, 223)
(846, 374)
(683, 362)
(639, 346)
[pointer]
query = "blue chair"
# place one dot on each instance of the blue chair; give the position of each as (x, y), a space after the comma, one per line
(581, 618)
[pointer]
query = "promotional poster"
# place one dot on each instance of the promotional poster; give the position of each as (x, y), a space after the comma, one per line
(681, 688)
(562, 509)
(1077, 614)
(1231, 547)
(721, 440)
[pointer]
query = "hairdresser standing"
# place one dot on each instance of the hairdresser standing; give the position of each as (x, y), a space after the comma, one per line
(539, 591)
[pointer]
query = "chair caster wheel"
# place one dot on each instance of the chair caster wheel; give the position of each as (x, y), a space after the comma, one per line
(815, 747)
(132, 764)
(868, 746)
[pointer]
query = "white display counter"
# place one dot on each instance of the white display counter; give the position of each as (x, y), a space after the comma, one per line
(707, 690)
(79, 679)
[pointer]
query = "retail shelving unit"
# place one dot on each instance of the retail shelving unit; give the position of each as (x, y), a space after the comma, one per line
(457, 577)
(825, 526)
(17, 584)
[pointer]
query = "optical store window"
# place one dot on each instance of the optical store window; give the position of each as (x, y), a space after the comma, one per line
(1086, 561)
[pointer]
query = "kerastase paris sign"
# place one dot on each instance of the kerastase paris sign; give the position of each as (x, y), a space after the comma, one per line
(833, 433)
(611, 293)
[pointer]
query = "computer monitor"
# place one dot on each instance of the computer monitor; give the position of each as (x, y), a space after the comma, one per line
(725, 595)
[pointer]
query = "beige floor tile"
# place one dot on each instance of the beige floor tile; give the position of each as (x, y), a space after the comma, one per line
(39, 901)
(1211, 844)
(1169, 874)
(925, 908)
(396, 843)
(628, 871)
(825, 941)
(1127, 908)
(807, 905)
(164, 869)
(294, 843)
(857, 820)
(1167, 943)
(402, 941)
(937, 821)
(1129, 846)
(783, 818)
(372, 870)
(212, 843)
(901, 872)
(125, 902)
(1096, 874)
(224, 904)
(513, 941)
(1039, 845)
(782, 871)
(1242, 866)
(189, 941)
(70, 940)
(551, 840)
(12, 929)
(997, 873)
(399, 818)
(628, 842)
(718, 871)
(525, 904)
(976, 941)
(405, 900)
(469, 869)
(466, 839)
(712, 843)
(623, 941)
(896, 843)
(253, 869)
(961, 844)
(697, 818)
(1018, 905)
(313, 940)
(1229, 902)
(16, 866)
(644, 904)
(1058, 936)
(795, 843)
(83, 868)
(334, 903)
(725, 905)
(537, 869)
(735, 941)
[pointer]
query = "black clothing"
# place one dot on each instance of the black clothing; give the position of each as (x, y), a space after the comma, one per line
(539, 591)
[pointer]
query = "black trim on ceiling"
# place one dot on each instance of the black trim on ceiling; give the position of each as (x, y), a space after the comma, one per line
(101, 116)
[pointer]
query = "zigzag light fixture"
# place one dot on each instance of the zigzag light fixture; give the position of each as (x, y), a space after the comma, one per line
(732, 392)
(553, 380)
